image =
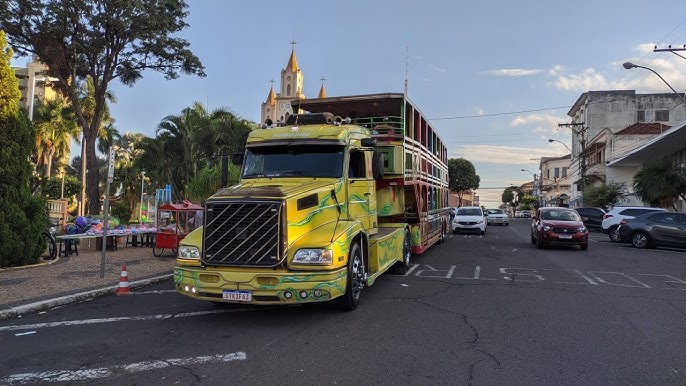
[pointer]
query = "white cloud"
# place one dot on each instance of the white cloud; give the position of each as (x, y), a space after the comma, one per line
(506, 155)
(589, 79)
(556, 70)
(513, 72)
(644, 48)
(437, 69)
(479, 111)
(545, 123)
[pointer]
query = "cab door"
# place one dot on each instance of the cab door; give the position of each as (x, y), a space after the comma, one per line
(362, 190)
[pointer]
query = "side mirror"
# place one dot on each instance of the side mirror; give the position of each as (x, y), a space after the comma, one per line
(237, 159)
(377, 165)
(368, 142)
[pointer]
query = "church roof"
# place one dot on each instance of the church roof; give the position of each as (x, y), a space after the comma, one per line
(271, 98)
(322, 92)
(293, 62)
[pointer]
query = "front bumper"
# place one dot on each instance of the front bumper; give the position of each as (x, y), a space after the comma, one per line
(265, 287)
(457, 227)
(552, 238)
(498, 220)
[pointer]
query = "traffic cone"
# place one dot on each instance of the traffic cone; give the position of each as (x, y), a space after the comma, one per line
(123, 288)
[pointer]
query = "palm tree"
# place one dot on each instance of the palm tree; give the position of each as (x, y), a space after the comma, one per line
(55, 128)
(186, 143)
(661, 183)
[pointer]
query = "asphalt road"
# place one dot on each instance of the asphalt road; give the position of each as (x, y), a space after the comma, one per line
(477, 310)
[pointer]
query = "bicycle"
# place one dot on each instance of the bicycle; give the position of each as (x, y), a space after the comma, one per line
(51, 248)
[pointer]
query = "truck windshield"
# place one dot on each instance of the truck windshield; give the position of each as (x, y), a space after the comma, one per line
(324, 161)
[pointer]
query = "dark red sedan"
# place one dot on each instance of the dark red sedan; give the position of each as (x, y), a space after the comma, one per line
(558, 226)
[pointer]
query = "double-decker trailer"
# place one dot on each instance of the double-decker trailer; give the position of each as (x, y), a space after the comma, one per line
(347, 189)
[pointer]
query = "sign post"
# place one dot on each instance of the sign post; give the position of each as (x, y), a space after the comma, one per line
(106, 210)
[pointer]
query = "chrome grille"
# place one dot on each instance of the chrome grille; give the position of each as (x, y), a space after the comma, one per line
(242, 233)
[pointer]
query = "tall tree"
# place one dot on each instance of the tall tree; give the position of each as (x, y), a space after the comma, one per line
(462, 177)
(104, 40)
(661, 183)
(55, 129)
(23, 216)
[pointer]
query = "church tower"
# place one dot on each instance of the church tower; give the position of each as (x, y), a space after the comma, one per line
(277, 107)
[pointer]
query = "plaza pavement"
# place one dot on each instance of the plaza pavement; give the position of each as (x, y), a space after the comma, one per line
(72, 278)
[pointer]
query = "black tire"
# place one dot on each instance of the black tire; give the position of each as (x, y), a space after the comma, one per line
(442, 238)
(51, 247)
(640, 240)
(401, 267)
(355, 279)
(157, 252)
(614, 234)
(539, 243)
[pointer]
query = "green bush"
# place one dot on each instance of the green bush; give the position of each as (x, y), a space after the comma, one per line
(23, 216)
(121, 210)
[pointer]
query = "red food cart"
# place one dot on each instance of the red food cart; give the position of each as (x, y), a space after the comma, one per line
(174, 222)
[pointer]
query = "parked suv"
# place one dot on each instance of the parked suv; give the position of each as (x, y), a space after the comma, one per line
(612, 218)
(469, 218)
(592, 217)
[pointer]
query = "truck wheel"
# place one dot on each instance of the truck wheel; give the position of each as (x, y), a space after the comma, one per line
(355, 280)
(401, 267)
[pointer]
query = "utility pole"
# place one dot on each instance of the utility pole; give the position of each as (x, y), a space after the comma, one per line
(672, 50)
(582, 155)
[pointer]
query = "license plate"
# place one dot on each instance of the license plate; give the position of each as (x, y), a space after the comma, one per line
(566, 237)
(240, 296)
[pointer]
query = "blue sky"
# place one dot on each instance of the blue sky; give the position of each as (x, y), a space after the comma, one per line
(495, 78)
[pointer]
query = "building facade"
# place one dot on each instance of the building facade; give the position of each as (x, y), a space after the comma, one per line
(34, 85)
(278, 107)
(595, 119)
(555, 181)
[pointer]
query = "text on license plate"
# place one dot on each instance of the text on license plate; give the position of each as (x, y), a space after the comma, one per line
(566, 237)
(241, 296)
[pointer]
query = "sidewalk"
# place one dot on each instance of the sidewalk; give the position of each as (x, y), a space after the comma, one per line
(72, 278)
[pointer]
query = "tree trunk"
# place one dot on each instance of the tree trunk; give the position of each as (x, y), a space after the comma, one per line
(48, 167)
(93, 175)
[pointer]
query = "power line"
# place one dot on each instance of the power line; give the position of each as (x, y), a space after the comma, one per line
(496, 114)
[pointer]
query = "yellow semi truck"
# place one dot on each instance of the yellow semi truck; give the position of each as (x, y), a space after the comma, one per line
(345, 190)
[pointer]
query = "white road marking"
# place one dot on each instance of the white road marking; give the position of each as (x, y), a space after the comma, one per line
(25, 333)
(409, 271)
(117, 319)
(477, 275)
(432, 270)
(622, 274)
(104, 372)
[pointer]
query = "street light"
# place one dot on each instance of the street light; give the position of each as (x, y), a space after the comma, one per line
(140, 213)
(629, 65)
(565, 145)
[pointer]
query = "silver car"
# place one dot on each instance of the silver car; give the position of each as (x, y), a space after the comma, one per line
(497, 217)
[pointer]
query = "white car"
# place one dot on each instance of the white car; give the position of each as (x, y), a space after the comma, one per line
(496, 217)
(612, 218)
(469, 219)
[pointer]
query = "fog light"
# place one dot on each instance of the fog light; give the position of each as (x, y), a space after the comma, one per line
(317, 293)
(186, 288)
(287, 295)
(303, 294)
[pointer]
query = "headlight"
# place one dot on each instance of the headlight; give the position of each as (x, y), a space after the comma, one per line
(582, 230)
(480, 222)
(313, 256)
(188, 252)
(546, 228)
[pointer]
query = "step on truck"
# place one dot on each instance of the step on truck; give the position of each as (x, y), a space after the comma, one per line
(344, 190)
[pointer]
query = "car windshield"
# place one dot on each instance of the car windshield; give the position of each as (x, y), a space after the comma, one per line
(469, 212)
(294, 161)
(495, 211)
(560, 215)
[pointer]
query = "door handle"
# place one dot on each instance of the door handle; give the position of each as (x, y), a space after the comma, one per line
(368, 194)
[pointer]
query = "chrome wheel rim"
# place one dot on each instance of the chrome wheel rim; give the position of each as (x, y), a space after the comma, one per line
(639, 240)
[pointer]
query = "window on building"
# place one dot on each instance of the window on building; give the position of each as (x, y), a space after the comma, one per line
(641, 116)
(557, 172)
(662, 115)
(564, 172)
(288, 90)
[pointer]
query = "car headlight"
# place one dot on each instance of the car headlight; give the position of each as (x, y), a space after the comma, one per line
(188, 252)
(480, 222)
(313, 256)
(582, 230)
(546, 228)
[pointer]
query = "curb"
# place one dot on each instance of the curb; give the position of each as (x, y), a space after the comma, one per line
(41, 264)
(45, 304)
